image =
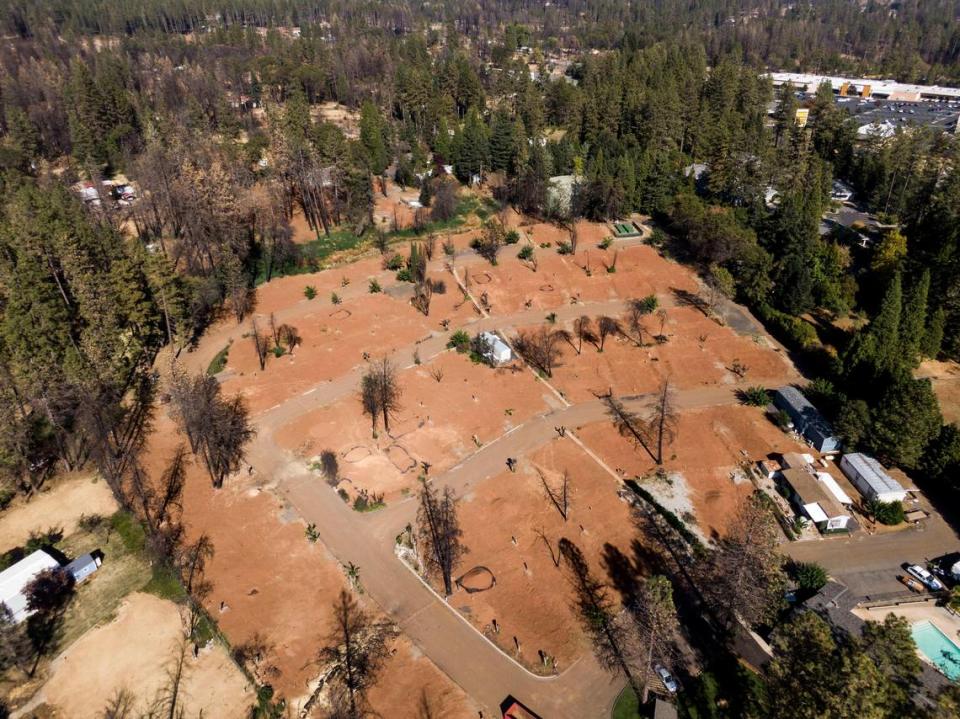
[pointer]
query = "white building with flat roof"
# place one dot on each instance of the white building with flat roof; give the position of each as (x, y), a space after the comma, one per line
(14, 581)
(866, 87)
(871, 479)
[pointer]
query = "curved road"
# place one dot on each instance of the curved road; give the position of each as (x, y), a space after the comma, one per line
(488, 675)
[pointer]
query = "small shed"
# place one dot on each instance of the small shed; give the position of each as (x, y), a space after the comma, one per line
(871, 479)
(15, 578)
(808, 493)
(82, 567)
(806, 419)
(496, 350)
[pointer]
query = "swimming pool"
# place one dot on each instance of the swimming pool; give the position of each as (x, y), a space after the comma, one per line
(937, 647)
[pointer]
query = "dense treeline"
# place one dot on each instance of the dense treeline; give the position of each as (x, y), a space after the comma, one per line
(911, 40)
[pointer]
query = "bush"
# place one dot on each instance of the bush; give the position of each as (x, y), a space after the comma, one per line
(790, 330)
(374, 287)
(810, 576)
(39, 540)
(564, 248)
(404, 275)
(335, 298)
(606, 242)
(309, 292)
(460, 341)
(278, 351)
(6, 496)
(219, 362)
(512, 237)
(91, 522)
(525, 253)
(755, 397)
(889, 513)
(343, 495)
(393, 263)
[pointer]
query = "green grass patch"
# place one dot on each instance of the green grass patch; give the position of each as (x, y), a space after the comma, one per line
(165, 584)
(466, 206)
(129, 530)
(312, 255)
(219, 363)
(627, 705)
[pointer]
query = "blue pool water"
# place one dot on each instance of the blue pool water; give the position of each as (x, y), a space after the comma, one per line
(937, 647)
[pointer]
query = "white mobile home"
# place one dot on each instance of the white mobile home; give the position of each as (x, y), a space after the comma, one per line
(871, 479)
(15, 579)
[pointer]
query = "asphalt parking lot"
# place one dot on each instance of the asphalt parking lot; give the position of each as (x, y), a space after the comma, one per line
(940, 114)
(870, 563)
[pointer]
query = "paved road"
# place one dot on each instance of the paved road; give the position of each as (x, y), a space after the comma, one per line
(583, 689)
(869, 563)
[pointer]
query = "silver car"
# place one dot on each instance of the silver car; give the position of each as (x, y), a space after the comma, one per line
(930, 581)
(667, 678)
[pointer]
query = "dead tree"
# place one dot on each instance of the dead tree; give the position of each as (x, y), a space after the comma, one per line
(287, 336)
(259, 343)
(274, 333)
(422, 294)
(555, 557)
(609, 630)
(583, 329)
(380, 392)
(664, 420)
(606, 326)
(370, 398)
(355, 652)
(541, 348)
(439, 533)
(559, 496)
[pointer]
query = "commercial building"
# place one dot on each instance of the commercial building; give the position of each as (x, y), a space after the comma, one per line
(871, 479)
(865, 87)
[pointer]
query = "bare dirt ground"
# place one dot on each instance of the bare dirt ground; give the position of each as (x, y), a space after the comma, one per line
(394, 211)
(711, 445)
(134, 653)
(269, 580)
(502, 520)
(479, 405)
(61, 504)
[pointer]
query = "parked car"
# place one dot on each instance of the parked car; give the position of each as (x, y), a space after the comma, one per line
(912, 584)
(930, 581)
(667, 678)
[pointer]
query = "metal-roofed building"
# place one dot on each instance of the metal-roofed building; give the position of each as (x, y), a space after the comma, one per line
(871, 479)
(15, 579)
(810, 495)
(807, 419)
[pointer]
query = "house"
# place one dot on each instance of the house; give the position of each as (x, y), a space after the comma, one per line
(15, 579)
(809, 494)
(796, 460)
(83, 567)
(871, 479)
(806, 419)
(495, 349)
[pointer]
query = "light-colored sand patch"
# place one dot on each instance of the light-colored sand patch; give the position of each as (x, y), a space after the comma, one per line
(61, 506)
(134, 652)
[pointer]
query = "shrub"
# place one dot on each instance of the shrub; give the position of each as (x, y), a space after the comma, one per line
(312, 534)
(330, 466)
(449, 249)
(335, 298)
(39, 540)
(460, 341)
(6, 496)
(564, 248)
(219, 362)
(309, 292)
(755, 397)
(404, 275)
(606, 242)
(791, 330)
(343, 494)
(439, 287)
(810, 576)
(393, 263)
(889, 513)
(91, 522)
(278, 351)
(374, 287)
(526, 252)
(512, 237)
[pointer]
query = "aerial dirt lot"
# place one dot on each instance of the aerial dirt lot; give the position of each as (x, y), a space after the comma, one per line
(61, 503)
(134, 653)
(271, 586)
(480, 404)
(502, 522)
(945, 377)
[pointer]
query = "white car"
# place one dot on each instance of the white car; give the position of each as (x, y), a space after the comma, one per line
(930, 581)
(667, 678)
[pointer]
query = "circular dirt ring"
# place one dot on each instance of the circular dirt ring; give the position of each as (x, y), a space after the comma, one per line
(356, 454)
(481, 278)
(399, 456)
(478, 579)
(546, 288)
(340, 314)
